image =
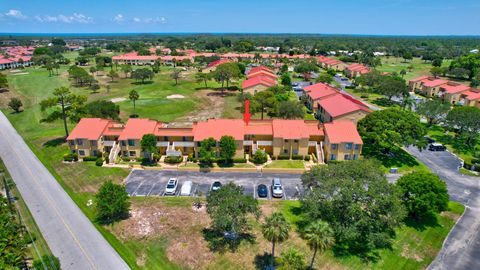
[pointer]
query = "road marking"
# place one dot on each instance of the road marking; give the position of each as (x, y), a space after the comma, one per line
(14, 150)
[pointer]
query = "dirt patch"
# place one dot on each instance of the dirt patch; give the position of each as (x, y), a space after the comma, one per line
(211, 107)
(411, 254)
(6, 95)
(450, 215)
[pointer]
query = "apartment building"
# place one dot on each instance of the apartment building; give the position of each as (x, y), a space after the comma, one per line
(258, 79)
(341, 107)
(316, 92)
(355, 70)
(92, 136)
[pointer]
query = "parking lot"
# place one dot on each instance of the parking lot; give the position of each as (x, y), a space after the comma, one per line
(152, 183)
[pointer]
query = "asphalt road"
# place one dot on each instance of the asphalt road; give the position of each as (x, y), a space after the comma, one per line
(152, 183)
(68, 232)
(461, 249)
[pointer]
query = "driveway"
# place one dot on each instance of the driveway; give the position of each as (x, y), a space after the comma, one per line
(152, 183)
(461, 249)
(68, 232)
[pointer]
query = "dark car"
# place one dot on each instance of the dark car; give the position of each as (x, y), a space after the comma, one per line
(262, 191)
(216, 185)
(437, 147)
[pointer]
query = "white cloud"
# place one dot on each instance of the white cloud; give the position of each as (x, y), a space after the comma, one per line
(17, 14)
(161, 20)
(75, 18)
(119, 18)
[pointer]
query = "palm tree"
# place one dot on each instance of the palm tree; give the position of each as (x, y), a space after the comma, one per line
(133, 96)
(408, 102)
(319, 236)
(175, 75)
(275, 229)
(291, 259)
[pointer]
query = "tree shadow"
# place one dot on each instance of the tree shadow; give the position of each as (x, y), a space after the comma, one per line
(365, 256)
(384, 102)
(394, 158)
(217, 242)
(54, 142)
(262, 261)
(422, 223)
(140, 83)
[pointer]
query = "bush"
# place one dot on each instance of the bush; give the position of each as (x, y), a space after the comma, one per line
(364, 96)
(297, 157)
(283, 157)
(70, 157)
(90, 158)
(173, 159)
(306, 158)
(192, 158)
(99, 162)
(467, 165)
(126, 159)
(156, 157)
(224, 161)
(259, 157)
(239, 160)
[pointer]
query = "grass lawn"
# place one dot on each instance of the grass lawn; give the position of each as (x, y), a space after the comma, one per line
(399, 159)
(396, 64)
(286, 164)
(235, 165)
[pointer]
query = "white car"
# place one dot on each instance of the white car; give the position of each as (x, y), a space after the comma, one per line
(171, 187)
(277, 189)
(186, 189)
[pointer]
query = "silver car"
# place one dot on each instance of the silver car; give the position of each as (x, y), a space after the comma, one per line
(171, 187)
(277, 189)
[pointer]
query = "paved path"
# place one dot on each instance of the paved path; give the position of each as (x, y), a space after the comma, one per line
(461, 249)
(68, 232)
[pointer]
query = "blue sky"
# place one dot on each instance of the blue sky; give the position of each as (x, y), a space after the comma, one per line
(391, 17)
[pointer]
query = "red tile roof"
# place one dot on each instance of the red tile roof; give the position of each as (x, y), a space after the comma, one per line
(216, 128)
(434, 82)
(137, 127)
(289, 129)
(177, 132)
(340, 104)
(89, 129)
(453, 88)
(319, 90)
(418, 79)
(342, 132)
(259, 127)
(260, 68)
(472, 95)
(262, 73)
(263, 80)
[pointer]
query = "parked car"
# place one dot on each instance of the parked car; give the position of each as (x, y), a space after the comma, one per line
(171, 187)
(216, 185)
(262, 191)
(186, 189)
(277, 189)
(437, 147)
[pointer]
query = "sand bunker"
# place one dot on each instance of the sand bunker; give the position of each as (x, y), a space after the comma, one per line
(115, 100)
(175, 96)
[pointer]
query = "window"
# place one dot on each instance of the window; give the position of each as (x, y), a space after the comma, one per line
(354, 157)
(285, 151)
(165, 138)
(72, 142)
(333, 157)
(348, 146)
(346, 157)
(184, 138)
(79, 141)
(295, 151)
(132, 153)
(125, 153)
(295, 141)
(334, 146)
(81, 152)
(285, 141)
(357, 146)
(94, 153)
(131, 142)
(124, 143)
(93, 143)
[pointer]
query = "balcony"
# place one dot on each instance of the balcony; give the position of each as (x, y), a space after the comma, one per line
(162, 144)
(264, 143)
(247, 143)
(108, 143)
(312, 143)
(184, 144)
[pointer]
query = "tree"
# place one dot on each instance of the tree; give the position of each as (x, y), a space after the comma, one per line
(259, 157)
(407, 56)
(423, 194)
(385, 130)
(13, 242)
(403, 72)
(112, 203)
(286, 80)
(47, 262)
(437, 62)
(470, 62)
(291, 259)
(324, 78)
(275, 229)
(175, 75)
(102, 109)
(467, 121)
(459, 73)
(112, 74)
(69, 105)
(15, 104)
(58, 42)
(391, 86)
(203, 77)
(262, 101)
(306, 68)
(342, 194)
(228, 147)
(290, 109)
(226, 72)
(434, 110)
(436, 71)
(228, 208)
(3, 81)
(142, 74)
(126, 69)
(93, 70)
(149, 145)
(133, 96)
(320, 237)
(206, 155)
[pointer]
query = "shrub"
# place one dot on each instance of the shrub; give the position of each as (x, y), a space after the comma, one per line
(173, 159)
(283, 157)
(467, 165)
(239, 160)
(70, 157)
(259, 157)
(99, 162)
(90, 158)
(306, 158)
(126, 159)
(156, 157)
(224, 161)
(297, 157)
(364, 96)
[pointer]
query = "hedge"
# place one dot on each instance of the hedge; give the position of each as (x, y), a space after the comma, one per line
(90, 158)
(306, 158)
(297, 157)
(99, 162)
(239, 160)
(70, 157)
(126, 159)
(283, 157)
(173, 159)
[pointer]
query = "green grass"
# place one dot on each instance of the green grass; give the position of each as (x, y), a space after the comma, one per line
(396, 64)
(468, 172)
(286, 164)
(399, 159)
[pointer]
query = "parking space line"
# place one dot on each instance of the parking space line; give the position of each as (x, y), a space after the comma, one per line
(135, 192)
(148, 194)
